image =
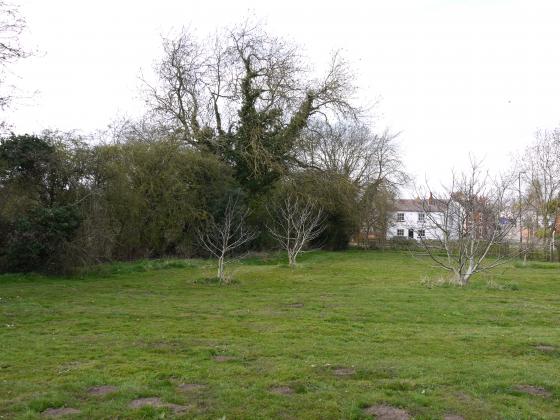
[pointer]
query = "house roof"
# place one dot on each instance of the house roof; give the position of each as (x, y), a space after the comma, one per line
(418, 205)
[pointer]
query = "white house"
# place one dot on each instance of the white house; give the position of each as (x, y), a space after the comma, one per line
(410, 219)
(416, 219)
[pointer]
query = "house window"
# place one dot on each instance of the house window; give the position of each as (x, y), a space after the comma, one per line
(400, 217)
(421, 233)
(421, 217)
(400, 232)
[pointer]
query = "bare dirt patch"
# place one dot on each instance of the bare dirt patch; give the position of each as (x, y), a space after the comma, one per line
(102, 390)
(545, 348)
(157, 402)
(386, 412)
(533, 390)
(295, 305)
(342, 371)
(282, 390)
(59, 412)
(453, 417)
(461, 396)
(223, 358)
(177, 408)
(190, 387)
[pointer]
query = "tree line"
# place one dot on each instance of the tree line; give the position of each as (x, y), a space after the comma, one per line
(243, 147)
(236, 116)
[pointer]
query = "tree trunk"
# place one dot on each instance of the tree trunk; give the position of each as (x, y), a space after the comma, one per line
(552, 246)
(463, 278)
(292, 259)
(221, 269)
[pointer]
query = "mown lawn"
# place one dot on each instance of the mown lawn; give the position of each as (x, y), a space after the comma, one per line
(342, 332)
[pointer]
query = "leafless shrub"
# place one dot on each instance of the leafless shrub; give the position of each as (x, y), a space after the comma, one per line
(222, 237)
(294, 222)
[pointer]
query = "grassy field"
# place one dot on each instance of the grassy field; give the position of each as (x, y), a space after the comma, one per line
(341, 333)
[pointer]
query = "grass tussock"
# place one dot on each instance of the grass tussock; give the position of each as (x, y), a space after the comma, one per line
(439, 281)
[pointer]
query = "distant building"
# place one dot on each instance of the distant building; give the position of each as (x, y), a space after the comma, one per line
(415, 219)
(418, 219)
(509, 225)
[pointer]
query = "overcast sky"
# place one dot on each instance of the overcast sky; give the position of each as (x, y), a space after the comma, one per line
(453, 76)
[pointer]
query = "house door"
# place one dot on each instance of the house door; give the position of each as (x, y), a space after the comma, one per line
(411, 233)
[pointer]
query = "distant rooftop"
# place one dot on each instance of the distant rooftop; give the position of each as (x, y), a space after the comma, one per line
(415, 204)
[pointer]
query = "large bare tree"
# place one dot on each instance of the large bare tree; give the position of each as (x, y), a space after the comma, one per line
(221, 237)
(351, 149)
(472, 215)
(540, 171)
(246, 95)
(370, 161)
(294, 222)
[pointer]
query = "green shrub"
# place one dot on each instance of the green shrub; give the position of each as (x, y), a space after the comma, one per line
(38, 240)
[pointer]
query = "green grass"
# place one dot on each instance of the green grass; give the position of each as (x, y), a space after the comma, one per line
(147, 327)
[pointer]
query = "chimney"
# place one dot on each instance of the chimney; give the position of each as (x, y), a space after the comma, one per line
(431, 199)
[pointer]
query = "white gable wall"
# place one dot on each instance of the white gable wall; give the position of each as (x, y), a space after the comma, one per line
(411, 222)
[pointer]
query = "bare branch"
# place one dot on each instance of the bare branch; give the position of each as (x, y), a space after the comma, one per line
(295, 222)
(473, 216)
(222, 237)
